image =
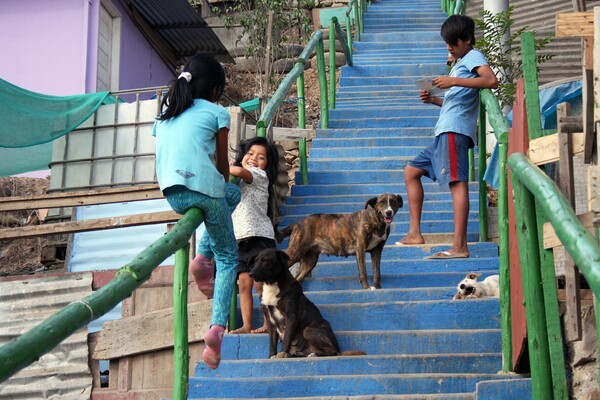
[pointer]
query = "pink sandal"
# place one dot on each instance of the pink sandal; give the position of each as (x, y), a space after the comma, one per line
(212, 350)
(202, 270)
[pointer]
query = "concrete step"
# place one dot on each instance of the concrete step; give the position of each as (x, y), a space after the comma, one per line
(373, 132)
(374, 70)
(445, 396)
(386, 342)
(361, 142)
(377, 151)
(348, 207)
(360, 198)
(357, 365)
(337, 385)
(384, 122)
(439, 212)
(391, 110)
(371, 189)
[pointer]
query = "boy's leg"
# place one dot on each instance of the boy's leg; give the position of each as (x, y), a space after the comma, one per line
(460, 200)
(246, 303)
(415, 194)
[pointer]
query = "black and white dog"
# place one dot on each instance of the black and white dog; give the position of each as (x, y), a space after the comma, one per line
(291, 317)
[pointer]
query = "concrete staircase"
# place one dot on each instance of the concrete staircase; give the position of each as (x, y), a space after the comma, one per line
(420, 344)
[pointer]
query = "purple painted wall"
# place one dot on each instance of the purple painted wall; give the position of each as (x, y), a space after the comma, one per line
(51, 47)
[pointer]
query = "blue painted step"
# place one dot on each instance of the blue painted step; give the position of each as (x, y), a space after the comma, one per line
(280, 387)
(371, 189)
(386, 342)
(344, 365)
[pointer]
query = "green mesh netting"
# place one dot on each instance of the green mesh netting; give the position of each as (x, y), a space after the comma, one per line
(30, 121)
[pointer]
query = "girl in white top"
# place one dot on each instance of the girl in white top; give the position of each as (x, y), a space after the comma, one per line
(256, 165)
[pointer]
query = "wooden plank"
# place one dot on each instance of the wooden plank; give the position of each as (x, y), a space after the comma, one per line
(566, 182)
(73, 199)
(545, 149)
(575, 24)
(594, 193)
(89, 225)
(122, 337)
(550, 238)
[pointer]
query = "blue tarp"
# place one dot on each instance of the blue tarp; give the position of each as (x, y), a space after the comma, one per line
(550, 98)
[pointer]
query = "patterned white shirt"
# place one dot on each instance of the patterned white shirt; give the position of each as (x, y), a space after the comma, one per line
(250, 216)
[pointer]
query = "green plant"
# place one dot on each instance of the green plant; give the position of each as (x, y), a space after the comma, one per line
(503, 52)
(291, 24)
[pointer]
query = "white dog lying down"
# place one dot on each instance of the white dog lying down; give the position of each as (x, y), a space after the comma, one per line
(469, 288)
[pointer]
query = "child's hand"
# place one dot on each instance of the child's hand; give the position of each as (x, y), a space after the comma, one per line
(426, 97)
(443, 82)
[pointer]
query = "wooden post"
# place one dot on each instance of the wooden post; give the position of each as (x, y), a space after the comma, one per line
(322, 84)
(566, 184)
(537, 339)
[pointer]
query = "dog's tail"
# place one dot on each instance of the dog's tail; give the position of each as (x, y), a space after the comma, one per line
(353, 353)
(285, 232)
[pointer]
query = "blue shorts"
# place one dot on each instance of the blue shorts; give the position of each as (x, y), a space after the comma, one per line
(446, 160)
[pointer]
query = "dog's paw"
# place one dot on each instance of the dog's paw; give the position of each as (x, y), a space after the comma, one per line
(281, 354)
(311, 355)
(372, 288)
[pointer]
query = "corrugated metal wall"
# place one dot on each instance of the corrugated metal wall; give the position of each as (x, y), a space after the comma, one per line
(62, 373)
(540, 16)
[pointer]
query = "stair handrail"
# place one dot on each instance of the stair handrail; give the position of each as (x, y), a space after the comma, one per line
(315, 44)
(490, 106)
(23, 350)
(535, 191)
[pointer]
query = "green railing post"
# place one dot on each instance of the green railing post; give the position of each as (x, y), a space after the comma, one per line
(481, 149)
(303, 161)
(357, 21)
(30, 346)
(349, 33)
(534, 127)
(332, 63)
(301, 102)
(537, 338)
(322, 84)
(180, 324)
(500, 127)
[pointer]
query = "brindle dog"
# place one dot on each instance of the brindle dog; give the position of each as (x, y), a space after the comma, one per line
(363, 231)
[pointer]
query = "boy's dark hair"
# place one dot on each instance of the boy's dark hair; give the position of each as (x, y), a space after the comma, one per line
(207, 82)
(272, 168)
(458, 27)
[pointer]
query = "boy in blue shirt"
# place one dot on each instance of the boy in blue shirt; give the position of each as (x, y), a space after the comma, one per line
(446, 160)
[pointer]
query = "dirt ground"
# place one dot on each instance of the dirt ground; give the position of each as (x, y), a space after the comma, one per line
(28, 256)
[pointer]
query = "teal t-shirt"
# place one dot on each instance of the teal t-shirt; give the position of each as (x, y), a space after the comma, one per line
(461, 105)
(185, 148)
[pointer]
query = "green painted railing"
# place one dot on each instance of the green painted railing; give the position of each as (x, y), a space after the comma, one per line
(30, 346)
(489, 104)
(534, 192)
(327, 100)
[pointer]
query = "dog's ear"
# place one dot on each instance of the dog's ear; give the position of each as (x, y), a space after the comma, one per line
(473, 276)
(400, 201)
(371, 202)
(282, 257)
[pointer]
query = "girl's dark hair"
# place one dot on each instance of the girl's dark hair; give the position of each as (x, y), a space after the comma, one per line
(208, 83)
(272, 168)
(458, 27)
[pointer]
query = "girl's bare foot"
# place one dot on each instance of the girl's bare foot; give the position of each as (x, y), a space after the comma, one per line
(262, 329)
(411, 239)
(243, 329)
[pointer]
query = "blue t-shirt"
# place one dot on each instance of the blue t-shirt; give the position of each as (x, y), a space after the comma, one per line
(461, 105)
(185, 148)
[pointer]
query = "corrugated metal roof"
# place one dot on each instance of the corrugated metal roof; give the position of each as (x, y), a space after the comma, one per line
(176, 30)
(62, 373)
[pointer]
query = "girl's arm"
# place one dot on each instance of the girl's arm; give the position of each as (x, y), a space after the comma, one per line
(486, 80)
(221, 153)
(241, 173)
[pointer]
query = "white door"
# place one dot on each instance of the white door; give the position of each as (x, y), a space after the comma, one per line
(108, 49)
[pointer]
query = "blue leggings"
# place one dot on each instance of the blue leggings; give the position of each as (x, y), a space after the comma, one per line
(219, 229)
